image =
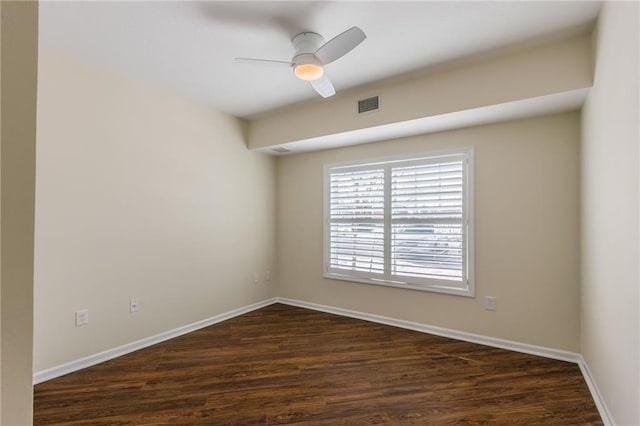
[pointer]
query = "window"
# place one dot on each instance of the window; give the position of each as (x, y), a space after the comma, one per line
(402, 222)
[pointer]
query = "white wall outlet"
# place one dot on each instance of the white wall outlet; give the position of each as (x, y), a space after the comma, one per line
(256, 278)
(82, 317)
(490, 303)
(134, 305)
(267, 275)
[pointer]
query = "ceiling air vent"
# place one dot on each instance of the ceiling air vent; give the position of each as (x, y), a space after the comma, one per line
(281, 150)
(369, 104)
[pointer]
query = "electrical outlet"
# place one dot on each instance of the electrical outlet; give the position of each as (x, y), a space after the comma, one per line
(490, 303)
(134, 305)
(82, 317)
(267, 275)
(256, 278)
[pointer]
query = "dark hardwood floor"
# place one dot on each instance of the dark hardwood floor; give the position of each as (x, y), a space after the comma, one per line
(286, 365)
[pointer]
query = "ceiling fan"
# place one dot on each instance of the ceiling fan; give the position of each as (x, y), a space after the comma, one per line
(312, 54)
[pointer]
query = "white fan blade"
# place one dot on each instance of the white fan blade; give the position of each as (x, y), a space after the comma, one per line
(323, 86)
(264, 61)
(340, 45)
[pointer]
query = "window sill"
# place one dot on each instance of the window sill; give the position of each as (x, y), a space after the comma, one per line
(433, 288)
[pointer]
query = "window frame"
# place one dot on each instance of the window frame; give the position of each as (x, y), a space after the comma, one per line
(422, 284)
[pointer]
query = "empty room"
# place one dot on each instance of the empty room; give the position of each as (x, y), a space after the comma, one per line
(320, 213)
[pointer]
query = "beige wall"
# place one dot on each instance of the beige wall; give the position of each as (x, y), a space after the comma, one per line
(140, 194)
(19, 33)
(488, 80)
(610, 231)
(1, 218)
(527, 242)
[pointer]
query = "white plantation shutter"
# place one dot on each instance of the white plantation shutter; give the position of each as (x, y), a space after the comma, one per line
(403, 222)
(357, 221)
(427, 220)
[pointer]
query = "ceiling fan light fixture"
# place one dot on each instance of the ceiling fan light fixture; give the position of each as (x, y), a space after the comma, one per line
(312, 54)
(308, 71)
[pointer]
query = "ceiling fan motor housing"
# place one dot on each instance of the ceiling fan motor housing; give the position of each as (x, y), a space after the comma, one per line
(307, 43)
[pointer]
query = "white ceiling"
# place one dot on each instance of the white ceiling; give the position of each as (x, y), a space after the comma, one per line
(189, 47)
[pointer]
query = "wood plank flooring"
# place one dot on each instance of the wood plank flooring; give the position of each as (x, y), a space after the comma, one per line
(287, 365)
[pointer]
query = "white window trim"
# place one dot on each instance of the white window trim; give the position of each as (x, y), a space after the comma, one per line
(434, 285)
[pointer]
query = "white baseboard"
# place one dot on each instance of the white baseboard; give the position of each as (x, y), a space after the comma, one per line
(79, 364)
(439, 331)
(51, 373)
(595, 393)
